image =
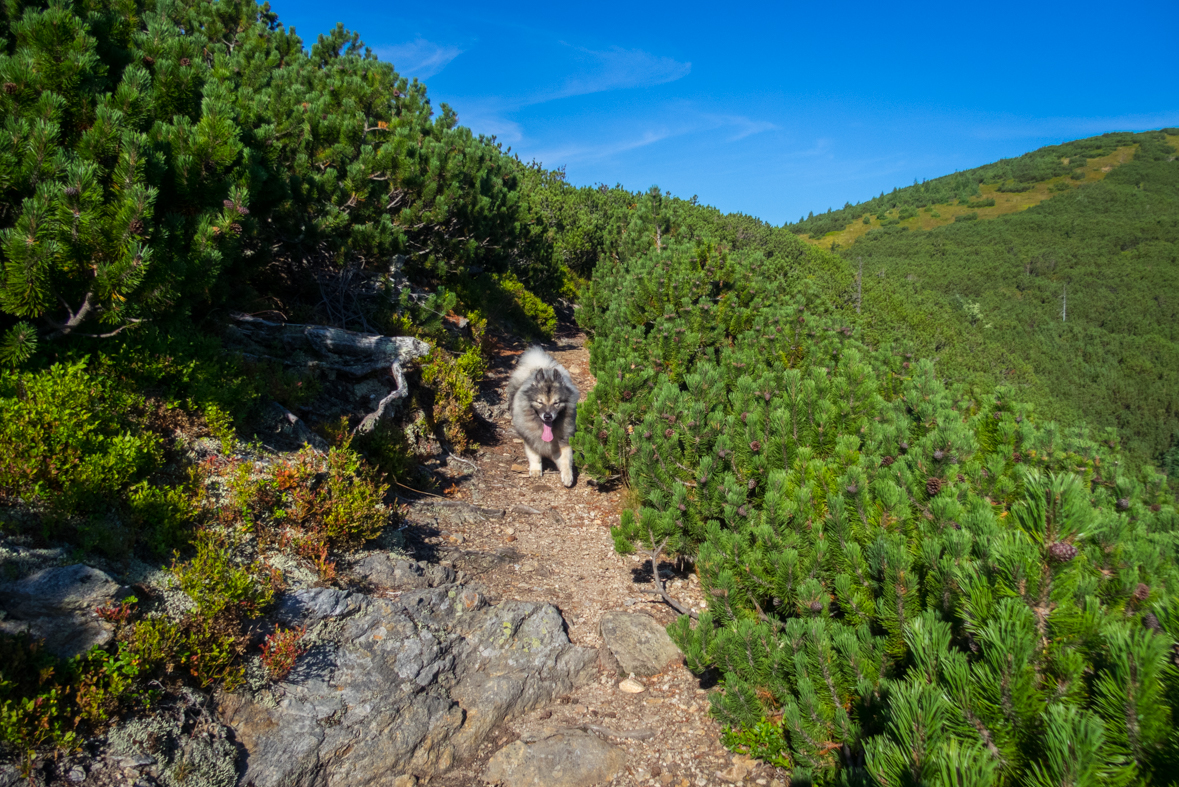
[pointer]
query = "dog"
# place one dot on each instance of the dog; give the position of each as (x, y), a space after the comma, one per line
(542, 400)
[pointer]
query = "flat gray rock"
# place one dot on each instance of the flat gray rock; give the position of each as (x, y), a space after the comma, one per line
(568, 759)
(58, 605)
(406, 686)
(398, 573)
(639, 644)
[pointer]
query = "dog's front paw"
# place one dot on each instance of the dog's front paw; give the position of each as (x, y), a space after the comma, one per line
(567, 477)
(535, 472)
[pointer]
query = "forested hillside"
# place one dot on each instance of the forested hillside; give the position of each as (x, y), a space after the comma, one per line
(1067, 294)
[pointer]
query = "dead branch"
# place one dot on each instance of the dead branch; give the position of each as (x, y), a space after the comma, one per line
(653, 555)
(320, 347)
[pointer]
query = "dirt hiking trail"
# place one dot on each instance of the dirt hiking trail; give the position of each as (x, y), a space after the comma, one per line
(534, 540)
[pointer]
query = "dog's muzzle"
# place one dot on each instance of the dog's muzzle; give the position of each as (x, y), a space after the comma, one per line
(546, 417)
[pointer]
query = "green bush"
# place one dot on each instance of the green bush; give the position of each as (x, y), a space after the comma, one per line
(503, 298)
(989, 202)
(972, 216)
(70, 440)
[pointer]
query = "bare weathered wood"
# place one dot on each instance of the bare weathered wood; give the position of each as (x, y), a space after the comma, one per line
(319, 346)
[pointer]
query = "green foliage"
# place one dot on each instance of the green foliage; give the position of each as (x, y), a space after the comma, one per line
(907, 582)
(503, 297)
(67, 439)
(763, 741)
(217, 585)
(450, 384)
(195, 155)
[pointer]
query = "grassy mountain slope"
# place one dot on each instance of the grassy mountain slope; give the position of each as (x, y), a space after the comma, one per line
(987, 297)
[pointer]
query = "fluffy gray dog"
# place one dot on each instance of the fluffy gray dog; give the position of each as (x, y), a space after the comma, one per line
(543, 402)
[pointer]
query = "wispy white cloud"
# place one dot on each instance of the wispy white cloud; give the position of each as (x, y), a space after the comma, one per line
(579, 153)
(616, 69)
(678, 121)
(418, 58)
(741, 126)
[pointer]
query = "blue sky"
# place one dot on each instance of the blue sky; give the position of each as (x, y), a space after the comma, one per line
(776, 109)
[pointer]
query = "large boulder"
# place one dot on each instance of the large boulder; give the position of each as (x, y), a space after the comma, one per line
(401, 687)
(638, 643)
(59, 605)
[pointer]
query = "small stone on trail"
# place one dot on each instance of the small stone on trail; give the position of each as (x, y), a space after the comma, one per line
(519, 468)
(570, 758)
(638, 642)
(631, 686)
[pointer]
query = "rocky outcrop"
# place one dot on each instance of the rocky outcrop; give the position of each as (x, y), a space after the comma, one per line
(638, 643)
(58, 604)
(570, 758)
(400, 687)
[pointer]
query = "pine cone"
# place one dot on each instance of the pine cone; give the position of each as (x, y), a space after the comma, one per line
(887, 461)
(237, 228)
(933, 486)
(148, 60)
(816, 606)
(1062, 552)
(755, 446)
(752, 484)
(1123, 503)
(184, 61)
(1156, 508)
(602, 435)
(741, 511)
(961, 479)
(227, 203)
(1142, 592)
(10, 88)
(852, 489)
(939, 454)
(1017, 457)
(136, 226)
(668, 433)
(904, 447)
(1151, 621)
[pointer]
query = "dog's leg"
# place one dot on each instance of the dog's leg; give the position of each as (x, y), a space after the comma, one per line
(533, 461)
(565, 463)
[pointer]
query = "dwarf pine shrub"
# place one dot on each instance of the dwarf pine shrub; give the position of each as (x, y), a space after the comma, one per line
(906, 583)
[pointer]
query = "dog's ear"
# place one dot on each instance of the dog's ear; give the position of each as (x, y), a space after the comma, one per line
(539, 377)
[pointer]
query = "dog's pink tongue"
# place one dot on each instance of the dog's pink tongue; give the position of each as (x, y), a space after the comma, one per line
(546, 433)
